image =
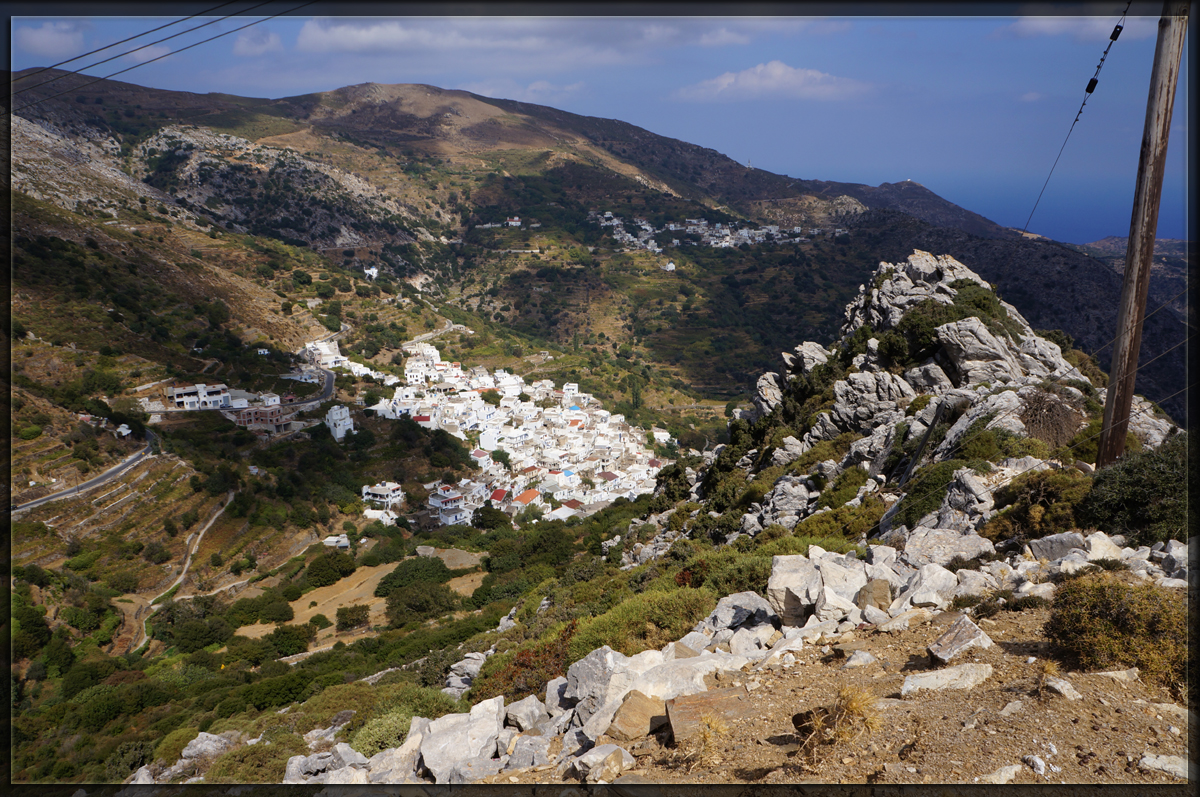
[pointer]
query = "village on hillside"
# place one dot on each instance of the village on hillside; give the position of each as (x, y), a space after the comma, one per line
(536, 446)
(718, 235)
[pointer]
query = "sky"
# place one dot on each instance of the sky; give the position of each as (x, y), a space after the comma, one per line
(975, 108)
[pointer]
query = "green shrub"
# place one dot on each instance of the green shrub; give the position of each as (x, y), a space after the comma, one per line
(1026, 602)
(257, 763)
(381, 733)
(171, 747)
(844, 488)
(422, 569)
(965, 601)
(1038, 504)
(1109, 620)
(649, 620)
(1144, 495)
(127, 758)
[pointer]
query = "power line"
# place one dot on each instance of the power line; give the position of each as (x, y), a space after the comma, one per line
(1091, 86)
(159, 58)
(123, 41)
(128, 52)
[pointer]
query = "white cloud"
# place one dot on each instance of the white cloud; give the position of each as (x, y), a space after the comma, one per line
(148, 53)
(773, 79)
(52, 40)
(255, 42)
(1081, 29)
(541, 92)
(1030, 96)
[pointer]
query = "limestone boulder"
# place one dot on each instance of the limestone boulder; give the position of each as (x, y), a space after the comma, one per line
(793, 588)
(456, 738)
(923, 546)
(964, 676)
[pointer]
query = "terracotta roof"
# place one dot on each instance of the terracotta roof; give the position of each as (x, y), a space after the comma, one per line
(527, 497)
(498, 495)
(573, 504)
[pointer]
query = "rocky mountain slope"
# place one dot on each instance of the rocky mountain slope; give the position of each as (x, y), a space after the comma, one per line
(942, 428)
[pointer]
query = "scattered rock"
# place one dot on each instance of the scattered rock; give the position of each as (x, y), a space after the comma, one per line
(1171, 764)
(1002, 775)
(206, 745)
(1063, 687)
(1035, 763)
(859, 658)
(964, 676)
(961, 636)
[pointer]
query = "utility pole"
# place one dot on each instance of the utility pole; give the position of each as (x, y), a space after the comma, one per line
(1142, 228)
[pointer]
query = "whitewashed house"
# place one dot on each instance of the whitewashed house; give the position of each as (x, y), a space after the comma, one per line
(339, 422)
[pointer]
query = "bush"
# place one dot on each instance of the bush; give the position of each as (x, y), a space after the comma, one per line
(127, 758)
(420, 602)
(516, 674)
(1039, 503)
(649, 620)
(925, 491)
(1107, 620)
(353, 616)
(844, 488)
(381, 733)
(426, 569)
(258, 763)
(171, 747)
(1143, 495)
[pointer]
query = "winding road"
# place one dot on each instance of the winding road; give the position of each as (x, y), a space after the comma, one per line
(83, 487)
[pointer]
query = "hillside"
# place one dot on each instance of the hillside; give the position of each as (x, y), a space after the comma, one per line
(915, 491)
(939, 405)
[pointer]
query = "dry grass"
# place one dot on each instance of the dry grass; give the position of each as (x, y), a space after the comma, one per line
(701, 750)
(853, 714)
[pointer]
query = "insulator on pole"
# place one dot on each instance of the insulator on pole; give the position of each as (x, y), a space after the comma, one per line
(1092, 85)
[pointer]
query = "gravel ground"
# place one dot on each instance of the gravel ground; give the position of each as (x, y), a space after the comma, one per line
(929, 737)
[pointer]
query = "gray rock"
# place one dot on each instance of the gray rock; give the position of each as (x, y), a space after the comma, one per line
(924, 546)
(928, 378)
(859, 658)
(875, 616)
(1171, 764)
(1056, 546)
(1035, 763)
(903, 620)
(732, 611)
(1002, 775)
(316, 763)
(793, 588)
(964, 676)
(529, 751)
(880, 555)
(556, 699)
(455, 738)
(1063, 687)
(749, 641)
(344, 755)
(791, 450)
(832, 606)
(974, 582)
(808, 356)
(975, 354)
(575, 743)
(142, 777)
(931, 586)
(206, 745)
(347, 776)
(526, 714)
(845, 577)
(472, 769)
(587, 681)
(962, 635)
(395, 763)
(596, 756)
(1100, 546)
(768, 393)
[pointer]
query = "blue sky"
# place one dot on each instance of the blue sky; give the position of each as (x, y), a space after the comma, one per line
(974, 108)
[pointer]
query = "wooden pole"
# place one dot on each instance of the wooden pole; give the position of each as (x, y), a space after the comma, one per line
(1142, 228)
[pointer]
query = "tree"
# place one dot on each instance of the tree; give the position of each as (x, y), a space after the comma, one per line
(503, 458)
(352, 616)
(420, 602)
(491, 397)
(487, 517)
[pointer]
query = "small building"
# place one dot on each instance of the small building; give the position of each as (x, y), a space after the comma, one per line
(386, 493)
(199, 397)
(339, 422)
